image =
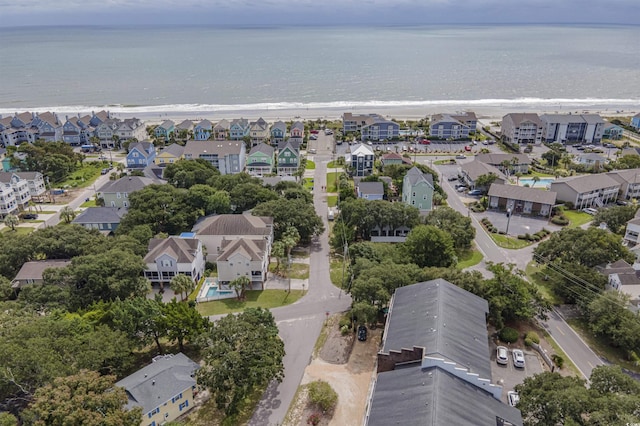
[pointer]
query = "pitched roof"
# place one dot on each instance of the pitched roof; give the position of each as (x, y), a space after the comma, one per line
(234, 224)
(222, 125)
(361, 149)
(158, 382)
(185, 125)
(167, 124)
(100, 215)
(297, 125)
(279, 125)
(371, 188)
(625, 176)
(517, 118)
(220, 148)
(586, 183)
(474, 169)
(143, 148)
(498, 158)
(263, 148)
(259, 125)
(428, 315)
(49, 118)
(173, 149)
(572, 118)
(292, 144)
(204, 124)
(33, 270)
(522, 193)
(591, 156)
(126, 184)
(415, 175)
(250, 248)
(181, 249)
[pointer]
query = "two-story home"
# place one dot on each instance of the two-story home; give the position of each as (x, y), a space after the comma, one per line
(202, 130)
(507, 163)
(163, 389)
(172, 256)
(32, 272)
(572, 128)
(591, 160)
(50, 128)
(453, 126)
(260, 160)
(165, 130)
(212, 230)
(360, 159)
(417, 190)
(278, 132)
(635, 121)
(472, 170)
(521, 199)
(247, 257)
(19, 186)
(612, 131)
(629, 180)
(115, 193)
(169, 155)
(35, 181)
(377, 128)
(521, 128)
(623, 278)
(105, 131)
(74, 130)
(586, 191)
(104, 219)
(259, 131)
(131, 128)
(632, 232)
(141, 155)
(8, 203)
(18, 129)
(288, 160)
(296, 133)
(221, 130)
(185, 126)
(239, 129)
(370, 190)
(227, 156)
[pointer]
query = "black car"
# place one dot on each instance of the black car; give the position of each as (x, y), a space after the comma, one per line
(30, 216)
(362, 333)
(621, 203)
(452, 178)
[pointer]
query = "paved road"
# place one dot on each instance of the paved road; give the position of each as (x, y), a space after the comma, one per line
(300, 323)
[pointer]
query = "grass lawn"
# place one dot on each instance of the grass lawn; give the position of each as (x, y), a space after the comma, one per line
(308, 183)
(299, 271)
(83, 177)
(310, 165)
(507, 242)
(577, 218)
(208, 414)
(253, 299)
(600, 346)
(335, 272)
(90, 203)
(20, 230)
(536, 276)
(469, 258)
(45, 211)
(332, 200)
(331, 182)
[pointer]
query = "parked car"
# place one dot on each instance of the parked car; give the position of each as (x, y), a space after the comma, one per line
(460, 157)
(452, 178)
(29, 216)
(362, 333)
(313, 137)
(502, 355)
(590, 211)
(621, 202)
(513, 398)
(425, 142)
(312, 151)
(104, 171)
(461, 188)
(467, 148)
(518, 358)
(475, 192)
(314, 132)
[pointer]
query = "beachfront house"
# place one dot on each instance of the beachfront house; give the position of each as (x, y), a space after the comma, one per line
(521, 129)
(629, 180)
(115, 193)
(453, 126)
(288, 160)
(509, 164)
(228, 157)
(169, 155)
(521, 199)
(50, 128)
(99, 117)
(221, 130)
(259, 131)
(77, 130)
(163, 389)
(239, 129)
(185, 126)
(202, 130)
(612, 131)
(417, 190)
(371, 126)
(247, 257)
(131, 128)
(19, 186)
(140, 155)
(278, 132)
(260, 160)
(635, 121)
(172, 256)
(296, 133)
(572, 128)
(165, 130)
(17, 129)
(360, 159)
(32, 272)
(586, 191)
(105, 132)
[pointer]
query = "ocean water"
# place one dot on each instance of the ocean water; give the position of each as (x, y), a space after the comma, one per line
(208, 69)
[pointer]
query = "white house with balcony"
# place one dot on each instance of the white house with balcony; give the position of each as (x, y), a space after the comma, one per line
(35, 181)
(243, 257)
(623, 278)
(8, 204)
(172, 256)
(19, 186)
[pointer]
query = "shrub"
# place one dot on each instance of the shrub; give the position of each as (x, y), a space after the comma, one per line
(323, 395)
(528, 342)
(502, 233)
(522, 237)
(557, 360)
(314, 419)
(344, 320)
(533, 336)
(560, 220)
(345, 329)
(508, 335)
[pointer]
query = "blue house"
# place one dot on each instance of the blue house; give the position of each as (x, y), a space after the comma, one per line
(165, 130)
(278, 132)
(104, 219)
(611, 131)
(141, 154)
(378, 128)
(360, 159)
(453, 126)
(635, 121)
(202, 131)
(239, 129)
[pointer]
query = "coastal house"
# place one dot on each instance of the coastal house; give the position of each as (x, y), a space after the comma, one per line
(228, 157)
(50, 128)
(623, 278)
(141, 155)
(185, 126)
(247, 257)
(506, 163)
(278, 132)
(417, 190)
(163, 389)
(105, 131)
(453, 126)
(572, 128)
(131, 128)
(521, 199)
(239, 129)
(259, 131)
(35, 182)
(288, 159)
(521, 128)
(629, 180)
(472, 170)
(586, 191)
(296, 133)
(76, 130)
(165, 130)
(591, 160)
(8, 203)
(612, 131)
(635, 121)
(18, 129)
(632, 231)
(172, 256)
(169, 155)
(19, 186)
(260, 160)
(99, 117)
(115, 193)
(104, 219)
(434, 367)
(221, 130)
(202, 130)
(360, 160)
(32, 272)
(370, 190)
(371, 126)
(393, 158)
(212, 230)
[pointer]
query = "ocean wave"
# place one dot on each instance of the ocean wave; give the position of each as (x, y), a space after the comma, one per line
(532, 103)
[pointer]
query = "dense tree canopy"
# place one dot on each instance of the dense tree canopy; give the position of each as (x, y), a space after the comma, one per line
(427, 245)
(56, 160)
(291, 213)
(615, 217)
(628, 162)
(574, 282)
(609, 318)
(457, 225)
(365, 215)
(186, 173)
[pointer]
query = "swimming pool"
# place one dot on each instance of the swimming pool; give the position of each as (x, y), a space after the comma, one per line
(541, 183)
(213, 291)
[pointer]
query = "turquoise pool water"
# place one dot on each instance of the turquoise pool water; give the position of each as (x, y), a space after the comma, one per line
(214, 292)
(542, 183)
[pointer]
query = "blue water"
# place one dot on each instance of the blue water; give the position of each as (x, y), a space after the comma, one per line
(214, 292)
(542, 183)
(153, 69)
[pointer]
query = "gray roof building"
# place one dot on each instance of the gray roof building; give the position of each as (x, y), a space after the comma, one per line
(371, 188)
(263, 148)
(234, 224)
(522, 193)
(586, 183)
(173, 149)
(415, 175)
(251, 248)
(497, 158)
(100, 215)
(127, 184)
(181, 249)
(474, 169)
(31, 272)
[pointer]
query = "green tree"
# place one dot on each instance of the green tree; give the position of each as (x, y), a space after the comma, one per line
(457, 225)
(242, 353)
(290, 238)
(8, 419)
(615, 217)
(295, 213)
(278, 251)
(67, 214)
(608, 317)
(85, 398)
(485, 181)
(628, 162)
(11, 220)
(239, 285)
(246, 196)
(364, 312)
(427, 245)
(140, 318)
(187, 173)
(574, 282)
(183, 322)
(182, 285)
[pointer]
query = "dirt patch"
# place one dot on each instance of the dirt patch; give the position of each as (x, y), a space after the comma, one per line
(337, 347)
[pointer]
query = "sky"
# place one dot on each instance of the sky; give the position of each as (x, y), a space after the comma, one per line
(314, 12)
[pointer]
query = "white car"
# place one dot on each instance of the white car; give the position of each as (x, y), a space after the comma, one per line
(513, 398)
(518, 358)
(502, 355)
(590, 211)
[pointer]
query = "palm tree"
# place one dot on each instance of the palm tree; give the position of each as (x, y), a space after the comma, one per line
(535, 179)
(11, 220)
(239, 285)
(67, 214)
(182, 285)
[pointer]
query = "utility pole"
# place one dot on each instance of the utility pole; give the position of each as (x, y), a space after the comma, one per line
(508, 221)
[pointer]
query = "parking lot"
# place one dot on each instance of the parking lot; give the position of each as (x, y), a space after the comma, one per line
(509, 376)
(518, 224)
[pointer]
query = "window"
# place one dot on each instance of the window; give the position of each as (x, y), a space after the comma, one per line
(184, 405)
(166, 263)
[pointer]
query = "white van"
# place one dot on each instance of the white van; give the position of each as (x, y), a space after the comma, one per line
(330, 215)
